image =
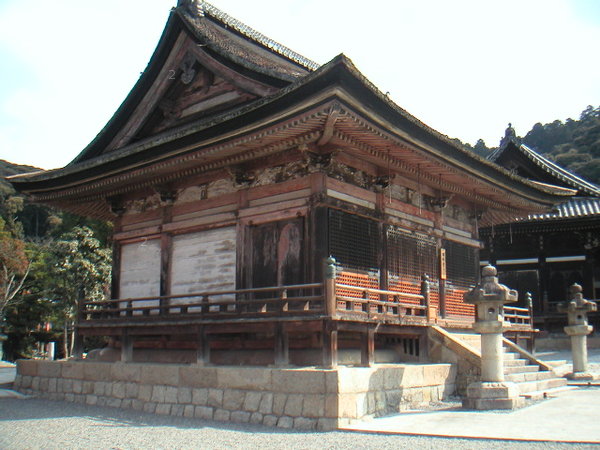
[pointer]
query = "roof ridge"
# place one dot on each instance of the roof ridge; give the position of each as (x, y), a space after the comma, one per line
(561, 172)
(203, 9)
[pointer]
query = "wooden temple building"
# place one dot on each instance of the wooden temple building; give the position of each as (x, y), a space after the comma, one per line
(546, 253)
(236, 168)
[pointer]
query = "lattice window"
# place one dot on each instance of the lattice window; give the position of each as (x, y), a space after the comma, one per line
(462, 263)
(411, 254)
(353, 241)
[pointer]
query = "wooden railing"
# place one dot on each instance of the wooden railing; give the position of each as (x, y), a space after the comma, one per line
(388, 304)
(518, 316)
(267, 301)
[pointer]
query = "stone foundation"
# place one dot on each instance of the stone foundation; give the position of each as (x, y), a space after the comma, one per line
(301, 398)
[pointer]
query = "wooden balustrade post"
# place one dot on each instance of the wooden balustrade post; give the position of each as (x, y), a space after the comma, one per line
(329, 287)
(367, 352)
(284, 302)
(205, 307)
(531, 340)
(425, 292)
(330, 345)
(282, 347)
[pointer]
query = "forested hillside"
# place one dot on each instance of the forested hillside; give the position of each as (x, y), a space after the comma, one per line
(49, 261)
(573, 144)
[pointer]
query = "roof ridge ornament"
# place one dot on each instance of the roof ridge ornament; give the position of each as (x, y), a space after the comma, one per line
(196, 7)
(510, 136)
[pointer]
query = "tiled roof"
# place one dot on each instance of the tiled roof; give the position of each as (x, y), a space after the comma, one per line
(204, 9)
(572, 180)
(578, 207)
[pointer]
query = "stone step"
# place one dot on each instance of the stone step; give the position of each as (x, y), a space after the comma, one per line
(541, 385)
(546, 393)
(510, 355)
(515, 362)
(529, 376)
(521, 369)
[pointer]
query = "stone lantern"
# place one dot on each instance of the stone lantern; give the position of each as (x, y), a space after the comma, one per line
(577, 310)
(489, 297)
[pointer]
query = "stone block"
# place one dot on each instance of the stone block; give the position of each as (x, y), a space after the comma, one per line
(25, 381)
(158, 394)
(188, 411)
(358, 379)
(27, 367)
(484, 404)
(149, 407)
(170, 394)
(35, 383)
(200, 397)
(221, 415)
(113, 402)
(240, 417)
(266, 403)
(145, 392)
(48, 369)
(129, 372)
(88, 387)
(160, 374)
(97, 371)
(309, 381)
(69, 397)
(252, 401)
(198, 377)
(118, 389)
(256, 418)
(332, 381)
(245, 378)
(215, 398)
(101, 401)
(279, 404)
(52, 385)
(270, 420)
(81, 399)
(412, 376)
(285, 422)
(233, 399)
(131, 390)
(44, 382)
(490, 390)
(77, 386)
(204, 412)
(437, 374)
(163, 409)
(99, 387)
(126, 403)
(91, 399)
(73, 370)
(184, 395)
(313, 406)
(177, 410)
(293, 405)
(331, 405)
(392, 378)
(327, 424)
(68, 385)
(303, 423)
(137, 405)
(393, 400)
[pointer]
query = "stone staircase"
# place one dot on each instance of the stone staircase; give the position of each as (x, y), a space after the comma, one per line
(533, 380)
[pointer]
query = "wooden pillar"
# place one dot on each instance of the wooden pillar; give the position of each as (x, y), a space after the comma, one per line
(126, 347)
(282, 348)
(329, 287)
(203, 348)
(367, 351)
(330, 345)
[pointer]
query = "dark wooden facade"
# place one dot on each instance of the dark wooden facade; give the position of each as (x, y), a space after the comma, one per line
(235, 168)
(544, 254)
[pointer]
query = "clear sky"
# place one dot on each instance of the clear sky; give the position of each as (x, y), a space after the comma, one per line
(464, 67)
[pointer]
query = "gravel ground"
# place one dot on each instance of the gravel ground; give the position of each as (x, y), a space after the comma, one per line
(36, 424)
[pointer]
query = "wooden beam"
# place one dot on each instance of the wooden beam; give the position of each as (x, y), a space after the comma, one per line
(126, 347)
(282, 348)
(330, 345)
(203, 349)
(367, 351)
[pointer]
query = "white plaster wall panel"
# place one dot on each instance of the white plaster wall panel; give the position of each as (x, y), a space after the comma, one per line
(140, 272)
(203, 261)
